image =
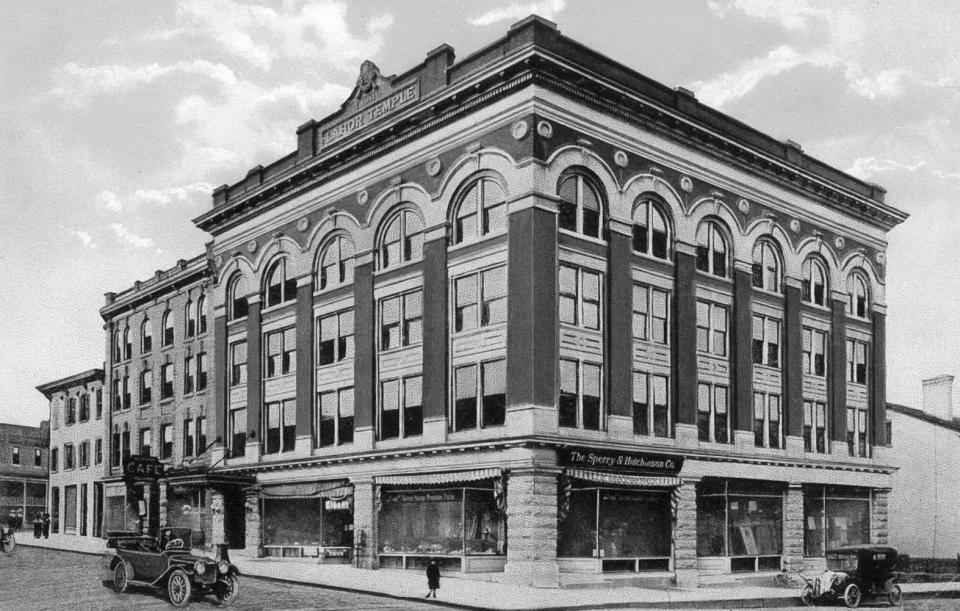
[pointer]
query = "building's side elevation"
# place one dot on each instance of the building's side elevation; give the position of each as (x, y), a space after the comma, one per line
(23, 471)
(76, 453)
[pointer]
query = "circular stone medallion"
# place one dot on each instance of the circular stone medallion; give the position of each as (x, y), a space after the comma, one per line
(433, 167)
(362, 197)
(840, 242)
(519, 130)
(252, 246)
(545, 129)
(620, 158)
(303, 224)
(686, 183)
(743, 205)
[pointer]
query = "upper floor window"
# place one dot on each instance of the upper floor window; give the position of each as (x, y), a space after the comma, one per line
(146, 381)
(85, 454)
(281, 352)
(166, 441)
(188, 378)
(54, 459)
(712, 249)
(711, 328)
(814, 427)
(237, 298)
(650, 314)
(201, 370)
(117, 346)
(84, 406)
(37, 457)
(857, 432)
(814, 282)
(580, 208)
(279, 288)
(479, 395)
(146, 336)
(857, 361)
(16, 455)
(401, 407)
(71, 410)
(336, 263)
(401, 240)
(335, 338)
(98, 451)
(238, 363)
(579, 299)
(168, 328)
(650, 231)
(166, 381)
(188, 437)
(99, 403)
(858, 295)
(814, 360)
(766, 341)
(766, 266)
(68, 456)
(651, 409)
(127, 343)
(190, 315)
(766, 420)
(201, 424)
(580, 402)
(146, 441)
(713, 415)
(401, 320)
(201, 314)
(334, 417)
(482, 210)
(480, 299)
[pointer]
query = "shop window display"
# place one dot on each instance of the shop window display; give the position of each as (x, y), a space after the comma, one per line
(306, 522)
(834, 516)
(742, 520)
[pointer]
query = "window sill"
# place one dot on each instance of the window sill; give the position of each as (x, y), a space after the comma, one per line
(582, 236)
(397, 267)
(278, 307)
(723, 279)
(768, 293)
(341, 362)
(648, 257)
(400, 349)
(473, 241)
(768, 368)
(480, 329)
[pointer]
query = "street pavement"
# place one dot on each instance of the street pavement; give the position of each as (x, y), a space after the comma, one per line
(39, 579)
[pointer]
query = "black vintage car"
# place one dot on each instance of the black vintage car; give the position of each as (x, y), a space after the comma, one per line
(853, 573)
(168, 562)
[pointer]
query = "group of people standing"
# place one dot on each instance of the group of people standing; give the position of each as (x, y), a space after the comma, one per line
(41, 522)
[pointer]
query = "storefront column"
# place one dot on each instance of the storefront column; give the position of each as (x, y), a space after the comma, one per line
(685, 565)
(364, 524)
(146, 491)
(162, 487)
(793, 528)
(878, 516)
(532, 527)
(217, 529)
(685, 345)
(253, 543)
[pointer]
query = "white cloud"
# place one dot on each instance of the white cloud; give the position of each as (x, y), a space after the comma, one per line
(109, 200)
(85, 237)
(866, 167)
(155, 197)
(126, 237)
(884, 84)
(793, 15)
(545, 8)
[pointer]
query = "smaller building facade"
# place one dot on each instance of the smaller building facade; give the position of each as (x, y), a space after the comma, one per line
(23, 471)
(76, 453)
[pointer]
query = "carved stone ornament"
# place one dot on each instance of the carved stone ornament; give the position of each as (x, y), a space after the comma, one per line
(369, 80)
(840, 242)
(686, 183)
(620, 158)
(545, 129)
(252, 246)
(881, 258)
(219, 261)
(362, 197)
(795, 226)
(519, 130)
(433, 166)
(743, 205)
(303, 224)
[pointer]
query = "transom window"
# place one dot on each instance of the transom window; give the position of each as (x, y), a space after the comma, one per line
(580, 208)
(336, 263)
(401, 320)
(766, 420)
(713, 415)
(168, 328)
(579, 299)
(281, 352)
(237, 303)
(482, 210)
(711, 328)
(650, 230)
(651, 321)
(480, 299)
(280, 287)
(651, 407)
(814, 282)
(401, 240)
(858, 303)
(335, 333)
(238, 363)
(479, 395)
(815, 427)
(712, 250)
(401, 407)
(146, 336)
(766, 341)
(580, 402)
(857, 361)
(280, 424)
(766, 266)
(814, 352)
(334, 417)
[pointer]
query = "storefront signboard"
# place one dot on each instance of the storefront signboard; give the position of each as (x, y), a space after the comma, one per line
(143, 469)
(636, 463)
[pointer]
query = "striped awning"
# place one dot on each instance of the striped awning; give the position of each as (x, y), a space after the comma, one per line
(620, 479)
(421, 479)
(330, 489)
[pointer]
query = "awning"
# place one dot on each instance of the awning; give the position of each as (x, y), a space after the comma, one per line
(438, 478)
(200, 477)
(331, 489)
(619, 479)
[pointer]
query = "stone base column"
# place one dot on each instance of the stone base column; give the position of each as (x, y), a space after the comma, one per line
(364, 524)
(878, 516)
(793, 529)
(532, 528)
(685, 566)
(253, 542)
(217, 529)
(162, 487)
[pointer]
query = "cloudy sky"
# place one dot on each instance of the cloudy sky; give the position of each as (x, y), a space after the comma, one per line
(118, 118)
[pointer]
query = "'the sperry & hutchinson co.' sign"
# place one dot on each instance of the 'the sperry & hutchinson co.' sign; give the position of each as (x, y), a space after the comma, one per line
(624, 462)
(143, 469)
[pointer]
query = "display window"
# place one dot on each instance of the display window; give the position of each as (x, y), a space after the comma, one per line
(188, 509)
(742, 520)
(296, 527)
(834, 516)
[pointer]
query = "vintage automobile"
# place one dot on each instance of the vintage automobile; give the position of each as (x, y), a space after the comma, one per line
(853, 573)
(168, 562)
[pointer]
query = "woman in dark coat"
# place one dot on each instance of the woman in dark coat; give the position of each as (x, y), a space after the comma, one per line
(433, 578)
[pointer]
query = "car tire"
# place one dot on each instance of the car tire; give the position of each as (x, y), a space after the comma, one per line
(120, 582)
(228, 589)
(9, 543)
(852, 595)
(179, 588)
(806, 595)
(895, 595)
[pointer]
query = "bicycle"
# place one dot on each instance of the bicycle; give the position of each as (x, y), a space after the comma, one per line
(7, 540)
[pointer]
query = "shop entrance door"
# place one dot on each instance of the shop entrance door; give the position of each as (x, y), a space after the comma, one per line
(234, 519)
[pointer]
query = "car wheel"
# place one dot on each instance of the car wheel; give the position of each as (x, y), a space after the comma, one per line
(179, 588)
(807, 595)
(120, 582)
(895, 595)
(852, 595)
(8, 543)
(228, 589)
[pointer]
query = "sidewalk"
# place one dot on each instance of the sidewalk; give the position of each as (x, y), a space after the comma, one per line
(70, 543)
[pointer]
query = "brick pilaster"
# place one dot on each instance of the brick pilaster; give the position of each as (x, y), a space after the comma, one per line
(365, 523)
(685, 566)
(253, 541)
(878, 516)
(532, 528)
(217, 529)
(793, 528)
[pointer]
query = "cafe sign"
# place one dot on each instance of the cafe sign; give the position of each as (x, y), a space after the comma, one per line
(143, 469)
(638, 463)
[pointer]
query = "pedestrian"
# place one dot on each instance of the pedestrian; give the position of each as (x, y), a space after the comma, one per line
(433, 578)
(46, 524)
(37, 525)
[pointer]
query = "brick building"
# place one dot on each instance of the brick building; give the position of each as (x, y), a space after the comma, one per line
(23, 470)
(76, 453)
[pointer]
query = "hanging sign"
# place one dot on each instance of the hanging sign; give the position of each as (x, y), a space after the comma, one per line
(143, 469)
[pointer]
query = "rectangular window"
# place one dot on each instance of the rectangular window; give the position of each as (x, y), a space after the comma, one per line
(401, 409)
(146, 386)
(647, 417)
(335, 417)
(98, 451)
(188, 437)
(238, 431)
(857, 352)
(201, 428)
(480, 299)
(166, 380)
(580, 395)
(117, 395)
(857, 432)
(16, 455)
(711, 328)
(479, 395)
(166, 441)
(280, 424)
(71, 410)
(54, 459)
(650, 314)
(38, 457)
(579, 297)
(145, 442)
(281, 352)
(335, 333)
(766, 420)
(814, 427)
(201, 370)
(238, 363)
(188, 379)
(115, 449)
(766, 341)
(814, 352)
(401, 320)
(713, 422)
(833, 517)
(54, 509)
(125, 445)
(126, 391)
(99, 405)
(68, 456)
(84, 407)
(84, 454)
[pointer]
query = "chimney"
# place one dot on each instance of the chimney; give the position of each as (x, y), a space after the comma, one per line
(938, 397)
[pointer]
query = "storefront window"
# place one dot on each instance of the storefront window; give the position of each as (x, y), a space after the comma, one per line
(842, 514)
(484, 527)
(740, 519)
(292, 522)
(187, 509)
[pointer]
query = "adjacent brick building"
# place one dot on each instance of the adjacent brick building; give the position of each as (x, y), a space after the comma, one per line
(23, 471)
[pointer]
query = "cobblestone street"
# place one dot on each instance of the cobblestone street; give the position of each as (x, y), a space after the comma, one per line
(35, 579)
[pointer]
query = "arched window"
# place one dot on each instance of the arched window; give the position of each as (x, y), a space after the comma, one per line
(117, 346)
(280, 287)
(858, 295)
(201, 314)
(127, 344)
(482, 210)
(401, 240)
(167, 328)
(766, 266)
(814, 282)
(651, 234)
(336, 263)
(190, 316)
(237, 298)
(146, 336)
(580, 206)
(712, 249)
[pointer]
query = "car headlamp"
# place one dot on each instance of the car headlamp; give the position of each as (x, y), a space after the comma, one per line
(200, 567)
(224, 566)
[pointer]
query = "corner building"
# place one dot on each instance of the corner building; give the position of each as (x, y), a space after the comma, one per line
(534, 312)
